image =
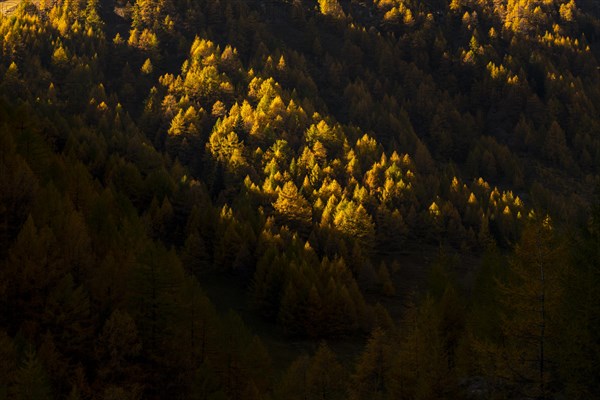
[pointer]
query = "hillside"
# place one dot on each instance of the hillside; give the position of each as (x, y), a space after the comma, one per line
(300, 199)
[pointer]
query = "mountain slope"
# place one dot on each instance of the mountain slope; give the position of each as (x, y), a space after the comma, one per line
(392, 170)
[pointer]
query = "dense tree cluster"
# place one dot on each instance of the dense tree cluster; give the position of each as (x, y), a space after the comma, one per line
(304, 150)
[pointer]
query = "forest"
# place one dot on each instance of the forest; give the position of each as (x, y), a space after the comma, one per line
(299, 199)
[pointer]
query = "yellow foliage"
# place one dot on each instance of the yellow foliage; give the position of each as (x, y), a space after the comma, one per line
(434, 209)
(472, 199)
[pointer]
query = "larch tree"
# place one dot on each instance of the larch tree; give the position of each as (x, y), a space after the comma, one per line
(376, 372)
(530, 298)
(354, 221)
(294, 384)
(31, 380)
(325, 376)
(117, 346)
(293, 209)
(579, 351)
